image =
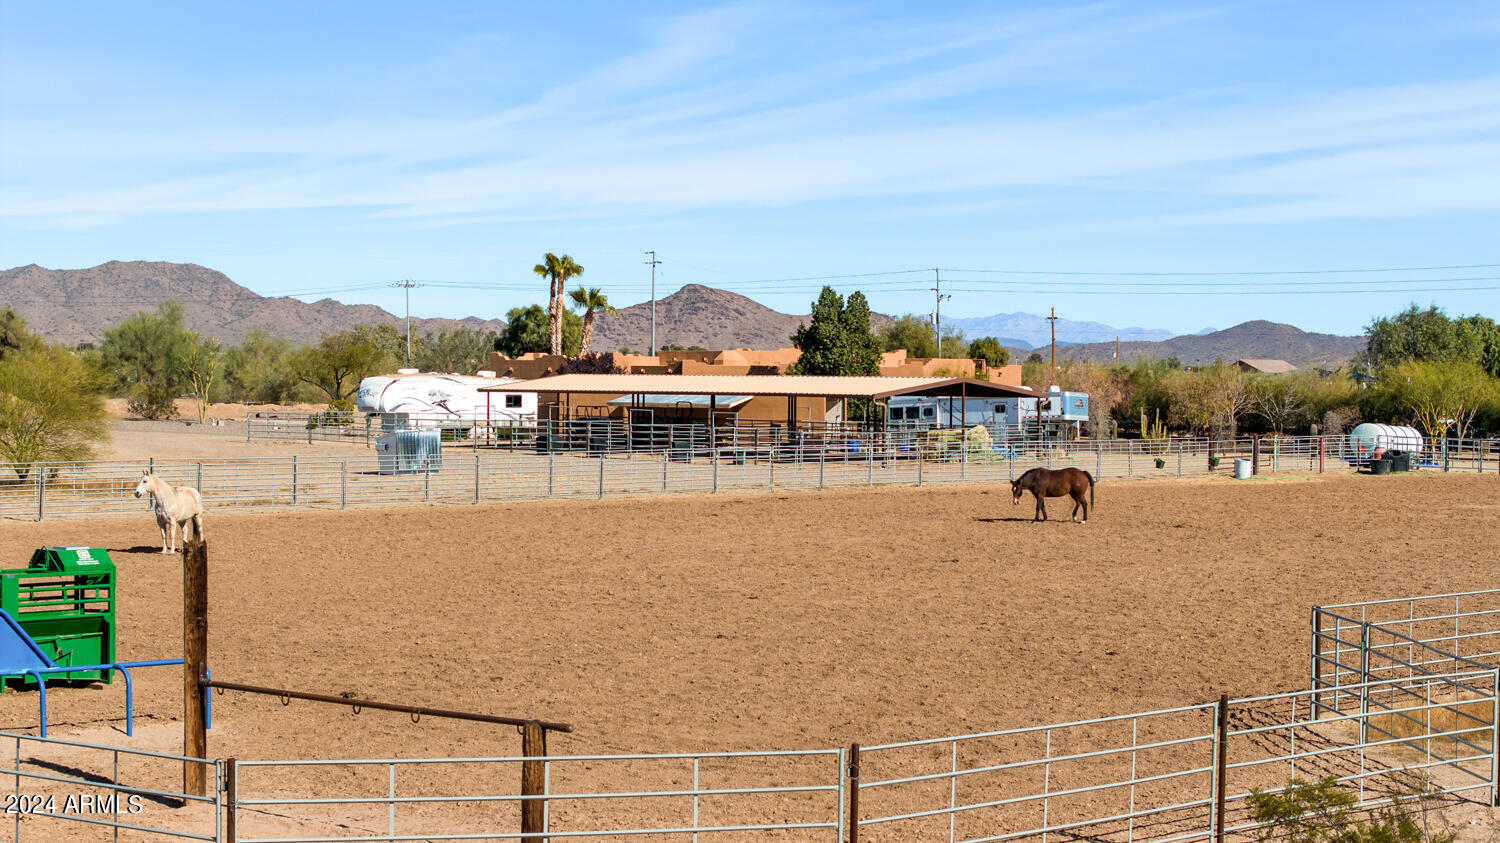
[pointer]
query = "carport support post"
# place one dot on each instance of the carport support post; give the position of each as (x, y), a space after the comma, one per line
(533, 779)
(194, 662)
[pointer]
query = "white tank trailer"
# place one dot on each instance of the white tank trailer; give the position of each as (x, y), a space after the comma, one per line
(411, 399)
(1365, 438)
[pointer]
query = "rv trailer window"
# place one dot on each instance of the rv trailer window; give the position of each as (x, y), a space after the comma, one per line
(512, 400)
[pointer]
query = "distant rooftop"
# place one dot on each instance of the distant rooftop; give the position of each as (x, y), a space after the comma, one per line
(817, 386)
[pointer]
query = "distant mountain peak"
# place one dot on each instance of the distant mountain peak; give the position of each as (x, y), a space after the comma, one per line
(1257, 338)
(78, 305)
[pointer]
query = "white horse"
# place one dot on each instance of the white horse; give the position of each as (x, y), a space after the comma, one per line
(174, 508)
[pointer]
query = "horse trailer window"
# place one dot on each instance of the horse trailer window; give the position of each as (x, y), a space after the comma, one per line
(512, 400)
(927, 412)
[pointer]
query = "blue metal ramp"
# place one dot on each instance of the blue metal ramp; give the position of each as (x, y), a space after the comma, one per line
(18, 653)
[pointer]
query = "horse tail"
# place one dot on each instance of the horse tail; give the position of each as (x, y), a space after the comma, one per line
(1091, 488)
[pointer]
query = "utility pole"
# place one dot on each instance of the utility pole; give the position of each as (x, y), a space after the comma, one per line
(1117, 348)
(937, 311)
(1053, 320)
(653, 263)
(408, 285)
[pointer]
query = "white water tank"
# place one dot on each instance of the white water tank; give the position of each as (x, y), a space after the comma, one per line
(1365, 438)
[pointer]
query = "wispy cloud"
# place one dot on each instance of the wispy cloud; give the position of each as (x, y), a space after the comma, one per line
(729, 107)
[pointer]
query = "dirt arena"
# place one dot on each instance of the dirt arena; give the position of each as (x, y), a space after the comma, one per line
(760, 621)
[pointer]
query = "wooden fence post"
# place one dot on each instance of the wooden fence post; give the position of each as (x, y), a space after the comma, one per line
(194, 661)
(853, 822)
(533, 778)
(1255, 455)
(1221, 766)
(231, 799)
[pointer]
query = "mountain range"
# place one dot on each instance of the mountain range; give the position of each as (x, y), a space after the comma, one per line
(1028, 330)
(73, 306)
(78, 305)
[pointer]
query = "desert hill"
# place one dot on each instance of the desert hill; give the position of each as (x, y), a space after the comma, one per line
(1246, 340)
(704, 316)
(78, 305)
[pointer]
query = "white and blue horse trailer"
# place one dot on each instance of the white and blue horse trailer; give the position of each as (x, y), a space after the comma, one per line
(1056, 408)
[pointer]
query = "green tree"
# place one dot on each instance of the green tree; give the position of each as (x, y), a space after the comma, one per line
(390, 342)
(593, 303)
(953, 346)
(1281, 401)
(911, 332)
(51, 408)
(259, 370)
(143, 357)
(1441, 397)
(527, 331)
(990, 351)
(14, 335)
(457, 349)
(1210, 400)
(338, 363)
(592, 363)
(838, 341)
(200, 368)
(1430, 335)
(557, 271)
(1479, 336)
(1106, 388)
(1325, 812)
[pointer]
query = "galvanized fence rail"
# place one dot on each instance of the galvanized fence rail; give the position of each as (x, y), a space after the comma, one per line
(1387, 713)
(688, 463)
(63, 789)
(782, 795)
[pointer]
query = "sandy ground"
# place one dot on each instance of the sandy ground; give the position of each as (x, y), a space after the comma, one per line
(134, 439)
(187, 408)
(806, 620)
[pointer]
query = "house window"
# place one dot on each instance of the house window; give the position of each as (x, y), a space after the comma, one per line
(512, 401)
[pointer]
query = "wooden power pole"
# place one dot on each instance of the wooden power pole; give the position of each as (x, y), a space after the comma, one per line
(194, 662)
(1053, 320)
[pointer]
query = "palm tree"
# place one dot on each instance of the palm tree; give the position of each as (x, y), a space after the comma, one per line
(557, 270)
(593, 303)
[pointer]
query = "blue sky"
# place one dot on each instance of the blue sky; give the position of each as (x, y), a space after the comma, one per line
(340, 146)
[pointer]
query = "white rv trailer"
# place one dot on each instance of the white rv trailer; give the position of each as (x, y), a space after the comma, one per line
(411, 399)
(1057, 408)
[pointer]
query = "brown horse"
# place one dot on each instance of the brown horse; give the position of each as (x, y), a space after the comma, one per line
(1047, 483)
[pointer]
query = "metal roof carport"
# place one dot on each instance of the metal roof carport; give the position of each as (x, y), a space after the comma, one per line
(790, 386)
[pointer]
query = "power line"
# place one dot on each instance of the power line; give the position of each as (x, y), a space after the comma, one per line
(1236, 272)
